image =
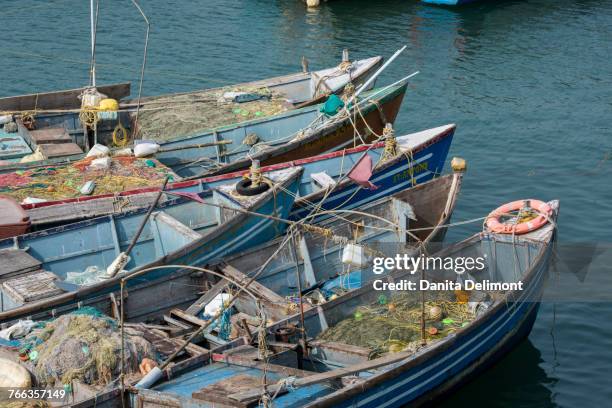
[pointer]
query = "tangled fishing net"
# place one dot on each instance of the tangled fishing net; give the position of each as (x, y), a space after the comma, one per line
(394, 324)
(25, 404)
(179, 115)
(54, 183)
(83, 346)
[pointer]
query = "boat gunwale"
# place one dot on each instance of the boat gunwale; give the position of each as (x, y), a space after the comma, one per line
(286, 79)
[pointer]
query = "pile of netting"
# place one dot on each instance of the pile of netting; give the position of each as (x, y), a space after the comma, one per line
(54, 183)
(394, 324)
(25, 404)
(84, 346)
(168, 117)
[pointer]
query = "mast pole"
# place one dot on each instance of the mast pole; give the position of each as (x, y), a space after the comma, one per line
(93, 42)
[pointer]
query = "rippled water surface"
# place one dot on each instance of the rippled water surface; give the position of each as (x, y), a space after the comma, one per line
(529, 84)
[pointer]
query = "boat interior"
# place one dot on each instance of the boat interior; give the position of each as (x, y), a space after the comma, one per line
(51, 122)
(322, 274)
(355, 336)
(46, 263)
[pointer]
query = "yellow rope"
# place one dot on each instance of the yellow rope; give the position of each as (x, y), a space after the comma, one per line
(390, 150)
(123, 140)
(88, 117)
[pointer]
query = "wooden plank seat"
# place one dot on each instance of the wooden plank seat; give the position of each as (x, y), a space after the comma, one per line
(14, 262)
(28, 287)
(50, 150)
(52, 135)
(342, 353)
(217, 392)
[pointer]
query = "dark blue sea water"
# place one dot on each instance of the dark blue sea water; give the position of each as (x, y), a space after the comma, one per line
(529, 84)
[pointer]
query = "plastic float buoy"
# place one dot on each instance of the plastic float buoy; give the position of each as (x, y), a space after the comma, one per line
(109, 105)
(458, 165)
(313, 3)
(146, 365)
(13, 375)
(524, 207)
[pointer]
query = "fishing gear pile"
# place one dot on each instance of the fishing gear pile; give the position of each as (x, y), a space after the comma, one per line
(179, 115)
(394, 324)
(101, 175)
(84, 346)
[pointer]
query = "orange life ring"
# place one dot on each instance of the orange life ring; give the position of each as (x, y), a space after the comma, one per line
(495, 225)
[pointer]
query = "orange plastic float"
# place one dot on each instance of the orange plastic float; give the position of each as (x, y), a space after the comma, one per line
(543, 210)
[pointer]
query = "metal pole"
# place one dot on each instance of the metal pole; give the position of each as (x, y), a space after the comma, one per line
(377, 73)
(144, 63)
(93, 22)
(299, 287)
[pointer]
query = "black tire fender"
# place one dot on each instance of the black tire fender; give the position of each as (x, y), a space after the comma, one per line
(243, 187)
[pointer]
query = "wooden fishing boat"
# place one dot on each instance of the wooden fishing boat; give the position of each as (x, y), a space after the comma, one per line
(37, 268)
(410, 159)
(276, 290)
(288, 136)
(51, 122)
(336, 374)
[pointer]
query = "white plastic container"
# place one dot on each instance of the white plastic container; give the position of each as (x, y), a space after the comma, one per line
(145, 149)
(355, 255)
(101, 163)
(98, 150)
(323, 180)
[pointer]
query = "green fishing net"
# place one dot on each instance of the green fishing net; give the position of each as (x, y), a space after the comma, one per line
(83, 346)
(394, 324)
(168, 117)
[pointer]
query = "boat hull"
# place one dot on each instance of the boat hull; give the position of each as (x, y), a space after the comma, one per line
(61, 109)
(465, 357)
(152, 292)
(390, 178)
(427, 161)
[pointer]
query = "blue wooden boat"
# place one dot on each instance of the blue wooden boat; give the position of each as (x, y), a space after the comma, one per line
(56, 114)
(426, 207)
(181, 232)
(418, 157)
(336, 374)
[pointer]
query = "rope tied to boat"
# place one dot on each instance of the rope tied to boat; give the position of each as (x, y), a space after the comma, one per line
(390, 150)
(250, 139)
(324, 232)
(89, 117)
(381, 112)
(287, 383)
(28, 119)
(345, 66)
(348, 93)
(120, 136)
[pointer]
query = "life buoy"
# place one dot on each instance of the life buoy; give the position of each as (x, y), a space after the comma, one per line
(244, 187)
(494, 223)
